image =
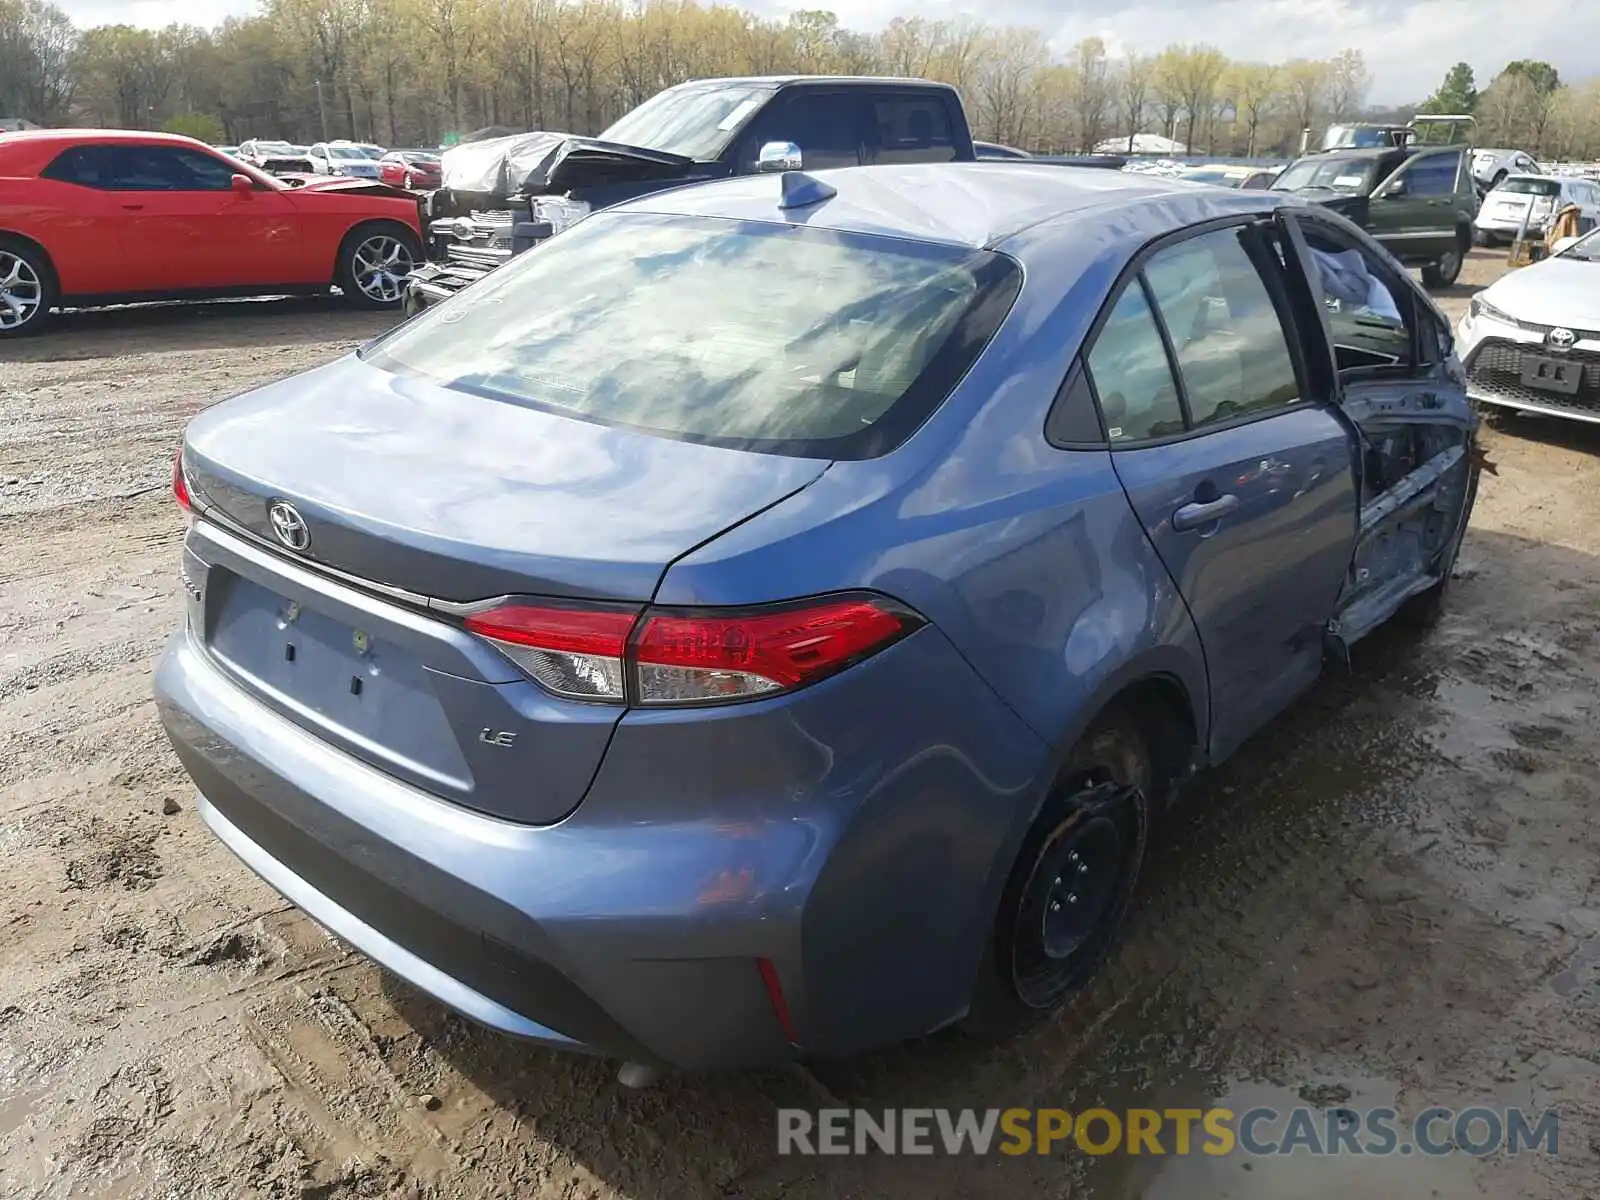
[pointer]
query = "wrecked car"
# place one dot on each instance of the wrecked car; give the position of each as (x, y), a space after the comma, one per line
(759, 625)
(499, 196)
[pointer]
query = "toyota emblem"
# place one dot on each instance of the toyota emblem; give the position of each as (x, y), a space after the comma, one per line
(289, 526)
(1561, 339)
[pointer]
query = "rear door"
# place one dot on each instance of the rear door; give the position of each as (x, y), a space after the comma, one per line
(1413, 212)
(1403, 393)
(1241, 476)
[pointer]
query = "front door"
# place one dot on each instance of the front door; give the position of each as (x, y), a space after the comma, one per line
(1413, 213)
(1243, 482)
(182, 226)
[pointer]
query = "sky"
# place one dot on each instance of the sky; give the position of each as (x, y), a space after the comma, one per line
(1408, 44)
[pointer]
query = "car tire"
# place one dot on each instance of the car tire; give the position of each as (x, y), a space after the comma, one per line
(1422, 611)
(373, 261)
(1482, 237)
(1094, 824)
(28, 289)
(1445, 271)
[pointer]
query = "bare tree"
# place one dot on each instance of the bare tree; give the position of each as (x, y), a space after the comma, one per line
(1348, 81)
(1133, 84)
(1092, 91)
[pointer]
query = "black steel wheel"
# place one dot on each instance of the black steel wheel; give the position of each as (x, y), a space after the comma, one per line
(1072, 880)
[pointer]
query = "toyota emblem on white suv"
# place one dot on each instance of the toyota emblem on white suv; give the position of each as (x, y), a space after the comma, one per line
(1561, 339)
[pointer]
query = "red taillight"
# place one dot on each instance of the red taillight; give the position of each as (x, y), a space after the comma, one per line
(775, 997)
(690, 657)
(180, 485)
(574, 652)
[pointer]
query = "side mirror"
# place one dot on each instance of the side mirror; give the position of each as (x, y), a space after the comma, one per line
(244, 186)
(1394, 190)
(779, 156)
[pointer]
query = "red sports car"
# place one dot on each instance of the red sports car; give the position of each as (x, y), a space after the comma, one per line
(95, 216)
(414, 170)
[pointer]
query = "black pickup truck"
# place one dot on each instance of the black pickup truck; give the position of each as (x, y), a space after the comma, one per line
(499, 197)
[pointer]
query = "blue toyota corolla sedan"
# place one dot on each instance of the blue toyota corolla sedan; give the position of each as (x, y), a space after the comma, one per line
(767, 620)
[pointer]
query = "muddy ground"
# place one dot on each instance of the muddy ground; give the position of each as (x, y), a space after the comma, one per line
(1391, 891)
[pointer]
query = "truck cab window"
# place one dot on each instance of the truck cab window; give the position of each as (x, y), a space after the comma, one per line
(911, 129)
(825, 125)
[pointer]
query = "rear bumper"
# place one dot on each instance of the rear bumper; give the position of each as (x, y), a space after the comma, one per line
(860, 862)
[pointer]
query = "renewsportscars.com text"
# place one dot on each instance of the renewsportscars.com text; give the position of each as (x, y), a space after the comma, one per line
(1175, 1131)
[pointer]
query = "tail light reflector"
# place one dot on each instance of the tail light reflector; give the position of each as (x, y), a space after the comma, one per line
(180, 485)
(573, 652)
(697, 658)
(675, 657)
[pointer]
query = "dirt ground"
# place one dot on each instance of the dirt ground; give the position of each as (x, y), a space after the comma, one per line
(1391, 891)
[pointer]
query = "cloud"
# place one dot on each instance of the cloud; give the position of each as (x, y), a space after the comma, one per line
(1408, 44)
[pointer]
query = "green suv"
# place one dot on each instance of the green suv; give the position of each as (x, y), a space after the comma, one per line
(1417, 202)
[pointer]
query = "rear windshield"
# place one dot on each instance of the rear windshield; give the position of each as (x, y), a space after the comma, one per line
(754, 335)
(1530, 187)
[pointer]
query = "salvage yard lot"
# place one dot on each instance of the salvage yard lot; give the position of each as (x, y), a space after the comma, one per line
(1393, 890)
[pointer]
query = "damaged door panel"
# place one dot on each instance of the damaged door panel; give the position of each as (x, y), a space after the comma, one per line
(1398, 386)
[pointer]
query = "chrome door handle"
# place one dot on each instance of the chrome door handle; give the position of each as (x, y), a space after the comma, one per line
(1192, 516)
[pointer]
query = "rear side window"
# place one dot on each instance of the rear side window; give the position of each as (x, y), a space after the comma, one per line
(1131, 375)
(754, 335)
(912, 129)
(1232, 356)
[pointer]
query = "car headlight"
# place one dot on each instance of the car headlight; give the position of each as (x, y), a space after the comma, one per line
(1479, 307)
(559, 211)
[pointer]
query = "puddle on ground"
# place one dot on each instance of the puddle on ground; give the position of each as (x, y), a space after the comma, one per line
(1298, 1174)
(16, 1108)
(1473, 727)
(1571, 980)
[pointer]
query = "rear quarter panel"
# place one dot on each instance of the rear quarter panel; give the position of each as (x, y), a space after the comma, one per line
(1026, 557)
(72, 225)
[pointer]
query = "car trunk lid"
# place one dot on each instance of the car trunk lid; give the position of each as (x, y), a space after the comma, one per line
(417, 499)
(412, 485)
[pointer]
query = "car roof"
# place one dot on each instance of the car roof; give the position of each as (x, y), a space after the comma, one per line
(786, 80)
(67, 136)
(977, 205)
